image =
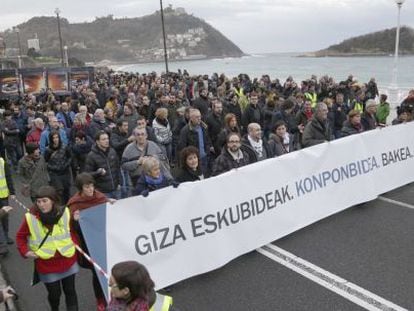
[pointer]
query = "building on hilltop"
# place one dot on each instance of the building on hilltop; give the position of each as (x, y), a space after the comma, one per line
(34, 43)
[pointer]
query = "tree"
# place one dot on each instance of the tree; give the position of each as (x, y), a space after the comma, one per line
(32, 53)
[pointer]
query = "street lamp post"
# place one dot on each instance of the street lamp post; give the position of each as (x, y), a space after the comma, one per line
(397, 43)
(57, 11)
(165, 42)
(393, 91)
(17, 30)
(66, 56)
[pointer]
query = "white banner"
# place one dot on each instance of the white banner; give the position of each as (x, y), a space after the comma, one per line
(200, 226)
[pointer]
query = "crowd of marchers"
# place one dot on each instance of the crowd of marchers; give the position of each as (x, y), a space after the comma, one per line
(129, 134)
(132, 132)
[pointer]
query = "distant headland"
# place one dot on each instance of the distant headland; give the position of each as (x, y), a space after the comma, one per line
(380, 43)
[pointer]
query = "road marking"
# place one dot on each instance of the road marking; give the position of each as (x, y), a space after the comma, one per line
(328, 280)
(395, 202)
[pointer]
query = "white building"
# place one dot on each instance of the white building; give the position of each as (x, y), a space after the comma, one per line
(33, 43)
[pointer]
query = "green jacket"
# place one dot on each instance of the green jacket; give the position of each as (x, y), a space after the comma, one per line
(383, 111)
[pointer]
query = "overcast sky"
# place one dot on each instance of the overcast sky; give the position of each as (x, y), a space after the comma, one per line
(256, 26)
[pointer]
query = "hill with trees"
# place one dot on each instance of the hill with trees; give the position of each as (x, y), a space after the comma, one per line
(373, 44)
(126, 39)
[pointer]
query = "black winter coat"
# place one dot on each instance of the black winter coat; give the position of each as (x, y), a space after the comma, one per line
(225, 162)
(349, 129)
(189, 137)
(184, 175)
(252, 114)
(316, 133)
(119, 141)
(58, 161)
(214, 126)
(109, 161)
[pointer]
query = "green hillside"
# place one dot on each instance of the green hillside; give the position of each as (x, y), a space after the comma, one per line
(127, 39)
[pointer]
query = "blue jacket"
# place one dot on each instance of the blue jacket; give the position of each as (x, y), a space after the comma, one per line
(44, 139)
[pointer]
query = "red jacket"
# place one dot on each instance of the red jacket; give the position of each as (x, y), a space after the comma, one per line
(56, 264)
(34, 136)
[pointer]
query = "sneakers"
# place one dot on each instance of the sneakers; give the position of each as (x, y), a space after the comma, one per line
(10, 241)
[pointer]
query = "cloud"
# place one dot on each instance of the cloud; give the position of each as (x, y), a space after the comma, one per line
(254, 25)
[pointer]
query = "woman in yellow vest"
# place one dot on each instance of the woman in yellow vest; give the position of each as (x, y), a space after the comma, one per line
(132, 289)
(45, 236)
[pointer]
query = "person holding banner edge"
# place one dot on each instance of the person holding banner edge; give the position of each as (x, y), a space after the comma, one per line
(86, 197)
(45, 236)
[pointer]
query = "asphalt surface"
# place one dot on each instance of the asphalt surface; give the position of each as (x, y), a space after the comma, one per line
(370, 245)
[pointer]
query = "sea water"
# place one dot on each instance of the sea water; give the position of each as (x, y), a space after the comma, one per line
(280, 66)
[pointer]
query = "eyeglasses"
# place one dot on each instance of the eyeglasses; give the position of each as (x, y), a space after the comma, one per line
(234, 141)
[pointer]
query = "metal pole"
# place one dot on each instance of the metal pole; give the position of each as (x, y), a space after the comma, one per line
(66, 56)
(18, 41)
(57, 11)
(165, 42)
(397, 43)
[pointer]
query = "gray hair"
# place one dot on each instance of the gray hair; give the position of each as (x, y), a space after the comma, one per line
(149, 164)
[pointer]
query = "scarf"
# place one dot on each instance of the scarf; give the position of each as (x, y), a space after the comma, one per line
(308, 114)
(122, 305)
(81, 202)
(257, 146)
(154, 181)
(286, 141)
(237, 156)
(51, 218)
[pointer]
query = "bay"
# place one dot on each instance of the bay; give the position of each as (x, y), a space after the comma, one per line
(282, 65)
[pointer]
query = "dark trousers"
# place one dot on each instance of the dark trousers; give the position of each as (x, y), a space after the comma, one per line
(4, 225)
(62, 184)
(54, 291)
(14, 154)
(97, 289)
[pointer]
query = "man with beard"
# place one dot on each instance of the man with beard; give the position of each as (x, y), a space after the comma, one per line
(231, 157)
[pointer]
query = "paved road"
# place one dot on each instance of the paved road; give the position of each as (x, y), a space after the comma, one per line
(370, 245)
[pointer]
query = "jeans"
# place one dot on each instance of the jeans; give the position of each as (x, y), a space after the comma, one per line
(14, 153)
(125, 183)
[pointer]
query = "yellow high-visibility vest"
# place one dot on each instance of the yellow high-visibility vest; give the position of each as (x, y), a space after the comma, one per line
(359, 107)
(162, 303)
(59, 240)
(313, 97)
(4, 189)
